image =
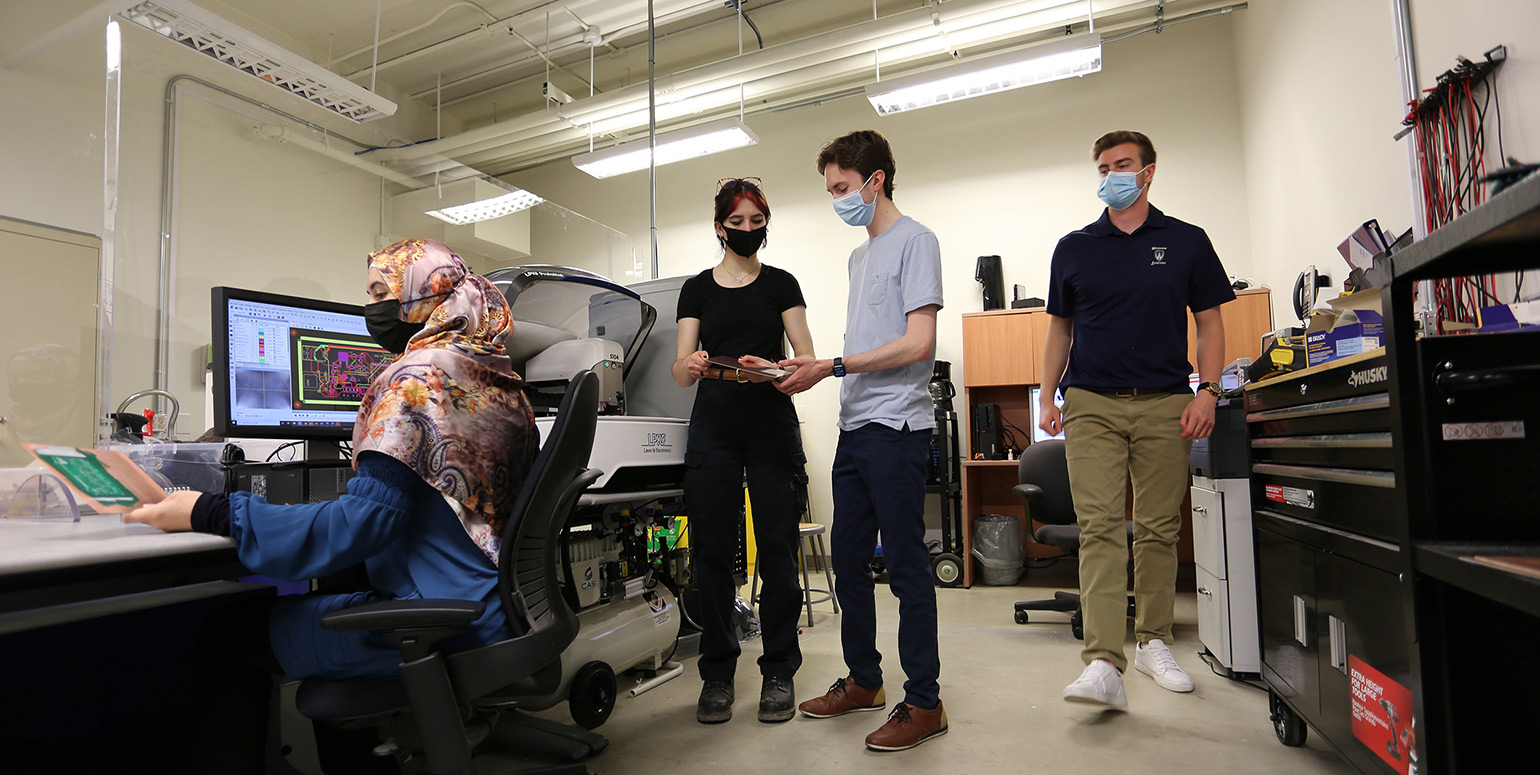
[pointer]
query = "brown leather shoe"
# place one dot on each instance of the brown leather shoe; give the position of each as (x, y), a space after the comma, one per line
(845, 696)
(907, 727)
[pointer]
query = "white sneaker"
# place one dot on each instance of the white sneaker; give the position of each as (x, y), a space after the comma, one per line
(1155, 660)
(1099, 684)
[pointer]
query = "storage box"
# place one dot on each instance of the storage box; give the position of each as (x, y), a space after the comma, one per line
(194, 466)
(1510, 317)
(1355, 324)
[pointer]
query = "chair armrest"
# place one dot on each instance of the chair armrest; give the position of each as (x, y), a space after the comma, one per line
(406, 614)
(1028, 492)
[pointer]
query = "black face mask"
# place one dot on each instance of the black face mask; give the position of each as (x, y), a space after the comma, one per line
(745, 243)
(386, 326)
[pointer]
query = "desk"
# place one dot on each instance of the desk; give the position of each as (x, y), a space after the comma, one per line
(45, 564)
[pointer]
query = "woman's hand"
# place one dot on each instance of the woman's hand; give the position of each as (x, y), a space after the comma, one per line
(172, 515)
(696, 364)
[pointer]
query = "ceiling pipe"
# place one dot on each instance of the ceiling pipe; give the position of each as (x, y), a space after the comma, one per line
(783, 73)
(284, 136)
(891, 30)
(898, 30)
(771, 95)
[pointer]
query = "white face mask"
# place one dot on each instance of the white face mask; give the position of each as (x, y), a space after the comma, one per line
(1119, 190)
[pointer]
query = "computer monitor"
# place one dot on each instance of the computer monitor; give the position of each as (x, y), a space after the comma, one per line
(1038, 434)
(290, 368)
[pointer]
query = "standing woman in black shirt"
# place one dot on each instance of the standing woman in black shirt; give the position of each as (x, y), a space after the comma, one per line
(741, 425)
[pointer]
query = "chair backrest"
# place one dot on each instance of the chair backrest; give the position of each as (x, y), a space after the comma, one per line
(528, 577)
(541, 623)
(1043, 464)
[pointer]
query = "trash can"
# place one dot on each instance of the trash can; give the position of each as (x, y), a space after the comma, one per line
(998, 547)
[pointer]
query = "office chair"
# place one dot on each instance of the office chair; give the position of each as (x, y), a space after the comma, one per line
(444, 705)
(1045, 497)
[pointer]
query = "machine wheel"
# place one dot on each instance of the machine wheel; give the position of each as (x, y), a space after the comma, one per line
(1290, 727)
(592, 695)
(1021, 617)
(947, 569)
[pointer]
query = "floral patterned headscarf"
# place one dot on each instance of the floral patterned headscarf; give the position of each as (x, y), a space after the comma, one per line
(451, 407)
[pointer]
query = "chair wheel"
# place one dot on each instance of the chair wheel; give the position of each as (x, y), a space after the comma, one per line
(1290, 728)
(1021, 617)
(947, 569)
(1077, 631)
(591, 697)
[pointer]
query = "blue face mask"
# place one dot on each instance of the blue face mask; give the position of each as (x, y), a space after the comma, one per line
(1118, 190)
(853, 208)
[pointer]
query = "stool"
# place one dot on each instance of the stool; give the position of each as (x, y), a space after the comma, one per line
(812, 533)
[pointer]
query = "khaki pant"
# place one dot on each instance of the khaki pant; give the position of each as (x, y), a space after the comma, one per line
(1107, 440)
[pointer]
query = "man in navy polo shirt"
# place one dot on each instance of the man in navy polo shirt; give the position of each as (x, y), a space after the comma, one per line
(1119, 291)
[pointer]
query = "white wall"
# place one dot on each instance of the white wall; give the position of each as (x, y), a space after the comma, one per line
(1441, 30)
(1009, 175)
(1320, 100)
(249, 214)
(1320, 103)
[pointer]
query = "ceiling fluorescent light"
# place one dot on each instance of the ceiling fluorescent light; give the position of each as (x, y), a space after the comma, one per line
(487, 209)
(708, 138)
(217, 37)
(1064, 58)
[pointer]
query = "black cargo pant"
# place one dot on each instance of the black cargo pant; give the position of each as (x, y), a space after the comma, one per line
(737, 430)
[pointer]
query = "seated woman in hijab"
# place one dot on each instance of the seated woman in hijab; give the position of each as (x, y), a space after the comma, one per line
(443, 441)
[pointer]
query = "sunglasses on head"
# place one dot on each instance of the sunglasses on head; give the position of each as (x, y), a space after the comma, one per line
(749, 182)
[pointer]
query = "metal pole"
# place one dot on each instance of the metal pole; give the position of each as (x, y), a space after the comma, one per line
(1406, 58)
(652, 127)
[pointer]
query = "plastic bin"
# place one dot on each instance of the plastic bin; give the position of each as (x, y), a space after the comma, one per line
(193, 466)
(997, 545)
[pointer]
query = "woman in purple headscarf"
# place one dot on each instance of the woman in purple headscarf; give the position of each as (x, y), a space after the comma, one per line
(443, 441)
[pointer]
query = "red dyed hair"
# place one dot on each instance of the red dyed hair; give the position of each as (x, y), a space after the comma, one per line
(733, 193)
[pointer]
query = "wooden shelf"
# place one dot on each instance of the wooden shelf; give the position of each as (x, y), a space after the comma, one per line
(1454, 563)
(988, 463)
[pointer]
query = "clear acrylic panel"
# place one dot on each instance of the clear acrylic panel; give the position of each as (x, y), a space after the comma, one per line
(229, 180)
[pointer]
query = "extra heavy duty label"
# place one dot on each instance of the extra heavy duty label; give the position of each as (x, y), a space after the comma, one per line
(1483, 431)
(1294, 496)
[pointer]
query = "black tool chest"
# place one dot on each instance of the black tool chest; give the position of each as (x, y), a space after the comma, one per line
(1328, 523)
(1470, 446)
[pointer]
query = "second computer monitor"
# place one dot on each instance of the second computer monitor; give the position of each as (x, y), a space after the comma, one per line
(289, 367)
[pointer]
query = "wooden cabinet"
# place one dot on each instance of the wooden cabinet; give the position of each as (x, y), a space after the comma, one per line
(1003, 360)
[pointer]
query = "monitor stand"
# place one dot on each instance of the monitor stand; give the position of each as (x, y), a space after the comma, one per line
(324, 451)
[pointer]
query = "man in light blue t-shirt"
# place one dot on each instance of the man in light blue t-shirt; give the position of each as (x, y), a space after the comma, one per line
(885, 422)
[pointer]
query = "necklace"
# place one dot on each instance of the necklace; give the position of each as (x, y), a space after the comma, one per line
(742, 279)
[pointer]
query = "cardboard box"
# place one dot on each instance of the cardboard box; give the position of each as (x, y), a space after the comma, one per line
(1353, 325)
(1510, 317)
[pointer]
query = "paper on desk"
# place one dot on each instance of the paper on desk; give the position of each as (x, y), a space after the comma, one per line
(107, 481)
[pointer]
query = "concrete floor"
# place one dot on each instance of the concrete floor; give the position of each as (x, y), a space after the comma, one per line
(1001, 684)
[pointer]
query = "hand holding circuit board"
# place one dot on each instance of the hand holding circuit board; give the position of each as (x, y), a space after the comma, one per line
(104, 480)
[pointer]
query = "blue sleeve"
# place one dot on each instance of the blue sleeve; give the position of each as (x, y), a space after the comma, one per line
(308, 540)
(1209, 286)
(921, 272)
(1061, 293)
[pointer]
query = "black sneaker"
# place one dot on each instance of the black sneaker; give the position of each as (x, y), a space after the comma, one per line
(775, 700)
(716, 702)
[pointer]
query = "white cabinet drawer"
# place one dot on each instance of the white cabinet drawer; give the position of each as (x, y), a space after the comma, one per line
(1214, 615)
(1208, 531)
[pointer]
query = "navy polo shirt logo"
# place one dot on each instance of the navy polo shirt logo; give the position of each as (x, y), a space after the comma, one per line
(1160, 257)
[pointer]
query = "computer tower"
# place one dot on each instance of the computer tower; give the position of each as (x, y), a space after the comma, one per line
(986, 433)
(300, 481)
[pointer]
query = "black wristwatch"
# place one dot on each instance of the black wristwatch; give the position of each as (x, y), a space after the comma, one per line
(1212, 387)
(839, 367)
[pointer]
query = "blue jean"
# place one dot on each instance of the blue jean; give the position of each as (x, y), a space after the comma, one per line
(879, 486)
